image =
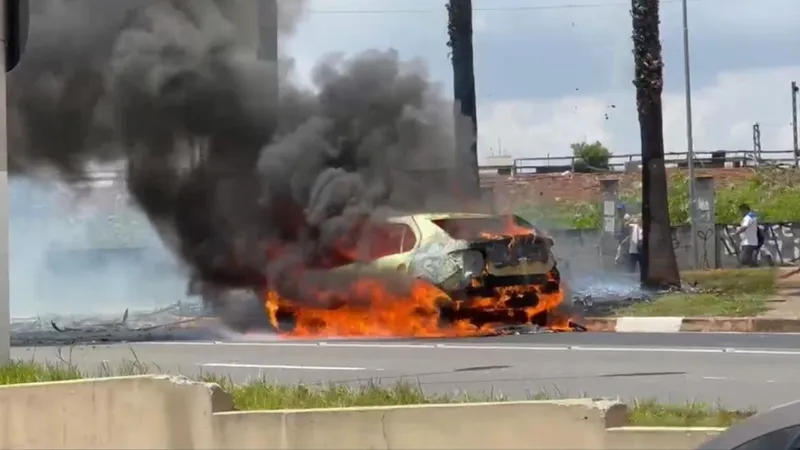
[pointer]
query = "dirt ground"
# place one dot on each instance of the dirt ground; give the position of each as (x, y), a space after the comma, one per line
(786, 302)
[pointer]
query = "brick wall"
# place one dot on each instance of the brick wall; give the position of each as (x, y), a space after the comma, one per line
(582, 187)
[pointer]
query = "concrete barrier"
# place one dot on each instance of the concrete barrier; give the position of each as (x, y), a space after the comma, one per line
(162, 412)
(149, 412)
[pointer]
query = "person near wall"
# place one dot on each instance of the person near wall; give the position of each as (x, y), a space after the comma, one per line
(621, 223)
(751, 237)
(629, 251)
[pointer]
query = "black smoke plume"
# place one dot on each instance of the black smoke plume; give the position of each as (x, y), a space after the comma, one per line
(241, 181)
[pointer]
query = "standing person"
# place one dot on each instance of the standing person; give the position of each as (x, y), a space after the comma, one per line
(636, 242)
(623, 236)
(630, 249)
(621, 227)
(749, 232)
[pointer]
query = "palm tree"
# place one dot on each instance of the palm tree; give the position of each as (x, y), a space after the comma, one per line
(459, 28)
(659, 266)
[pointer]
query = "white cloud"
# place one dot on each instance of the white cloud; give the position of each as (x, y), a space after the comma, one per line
(723, 115)
(536, 129)
(733, 87)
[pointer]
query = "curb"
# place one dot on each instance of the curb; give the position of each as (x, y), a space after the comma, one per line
(692, 324)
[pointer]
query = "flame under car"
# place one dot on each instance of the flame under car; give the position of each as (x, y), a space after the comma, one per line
(474, 272)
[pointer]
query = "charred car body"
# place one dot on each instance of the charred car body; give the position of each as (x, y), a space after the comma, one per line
(493, 268)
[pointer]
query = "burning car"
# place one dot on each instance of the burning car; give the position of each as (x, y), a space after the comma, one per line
(467, 273)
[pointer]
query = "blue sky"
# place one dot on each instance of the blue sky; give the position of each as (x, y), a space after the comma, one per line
(549, 71)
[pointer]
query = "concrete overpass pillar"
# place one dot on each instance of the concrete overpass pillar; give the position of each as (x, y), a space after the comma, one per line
(268, 26)
(257, 23)
(5, 294)
(612, 223)
(706, 238)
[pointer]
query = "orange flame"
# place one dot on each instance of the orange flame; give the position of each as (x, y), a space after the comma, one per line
(369, 308)
(383, 314)
(424, 312)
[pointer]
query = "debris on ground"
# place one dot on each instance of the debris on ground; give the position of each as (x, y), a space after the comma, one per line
(599, 303)
(188, 320)
(179, 321)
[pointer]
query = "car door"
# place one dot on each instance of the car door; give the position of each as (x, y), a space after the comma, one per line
(776, 429)
(389, 245)
(435, 258)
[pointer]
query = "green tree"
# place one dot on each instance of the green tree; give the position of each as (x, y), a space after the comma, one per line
(590, 157)
(659, 266)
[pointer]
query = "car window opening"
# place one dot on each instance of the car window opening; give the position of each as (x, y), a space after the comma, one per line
(373, 241)
(472, 228)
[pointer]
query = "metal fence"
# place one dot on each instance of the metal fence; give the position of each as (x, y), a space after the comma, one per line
(632, 162)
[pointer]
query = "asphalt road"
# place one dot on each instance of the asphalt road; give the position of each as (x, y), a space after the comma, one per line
(736, 370)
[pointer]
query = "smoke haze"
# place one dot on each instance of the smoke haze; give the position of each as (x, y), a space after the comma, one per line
(71, 256)
(239, 181)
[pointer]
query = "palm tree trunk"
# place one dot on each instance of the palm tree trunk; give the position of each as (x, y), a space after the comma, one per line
(659, 266)
(459, 28)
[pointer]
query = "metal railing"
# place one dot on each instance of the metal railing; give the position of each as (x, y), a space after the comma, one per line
(632, 162)
(559, 164)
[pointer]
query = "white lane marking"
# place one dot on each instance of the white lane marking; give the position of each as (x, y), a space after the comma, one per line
(648, 324)
(746, 380)
(540, 348)
(740, 332)
(283, 366)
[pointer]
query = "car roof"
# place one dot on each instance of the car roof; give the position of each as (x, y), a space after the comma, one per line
(457, 215)
(442, 215)
(738, 434)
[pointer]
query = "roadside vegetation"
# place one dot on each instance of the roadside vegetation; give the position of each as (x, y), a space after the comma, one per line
(263, 394)
(773, 193)
(725, 293)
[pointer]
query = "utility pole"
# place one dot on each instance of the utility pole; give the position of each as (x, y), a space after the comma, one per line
(14, 32)
(689, 135)
(459, 30)
(5, 294)
(794, 125)
(757, 142)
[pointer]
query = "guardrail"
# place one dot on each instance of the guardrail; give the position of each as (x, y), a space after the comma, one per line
(632, 162)
(556, 164)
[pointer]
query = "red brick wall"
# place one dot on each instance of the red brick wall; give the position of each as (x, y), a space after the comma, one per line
(582, 187)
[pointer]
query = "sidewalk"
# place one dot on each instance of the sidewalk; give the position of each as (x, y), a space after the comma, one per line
(786, 302)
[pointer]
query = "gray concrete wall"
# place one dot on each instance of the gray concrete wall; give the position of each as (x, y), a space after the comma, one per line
(718, 247)
(152, 412)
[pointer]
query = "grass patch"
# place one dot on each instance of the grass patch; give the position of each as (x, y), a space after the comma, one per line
(263, 394)
(729, 293)
(18, 372)
(649, 413)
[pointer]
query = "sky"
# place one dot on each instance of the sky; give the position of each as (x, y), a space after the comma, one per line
(553, 72)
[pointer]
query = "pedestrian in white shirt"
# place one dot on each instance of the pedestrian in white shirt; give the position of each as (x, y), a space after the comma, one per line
(748, 230)
(630, 249)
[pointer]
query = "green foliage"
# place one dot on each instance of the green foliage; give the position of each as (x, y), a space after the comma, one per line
(774, 194)
(590, 156)
(563, 215)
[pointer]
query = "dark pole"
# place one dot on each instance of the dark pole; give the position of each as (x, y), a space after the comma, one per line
(659, 266)
(15, 19)
(757, 142)
(794, 125)
(459, 29)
